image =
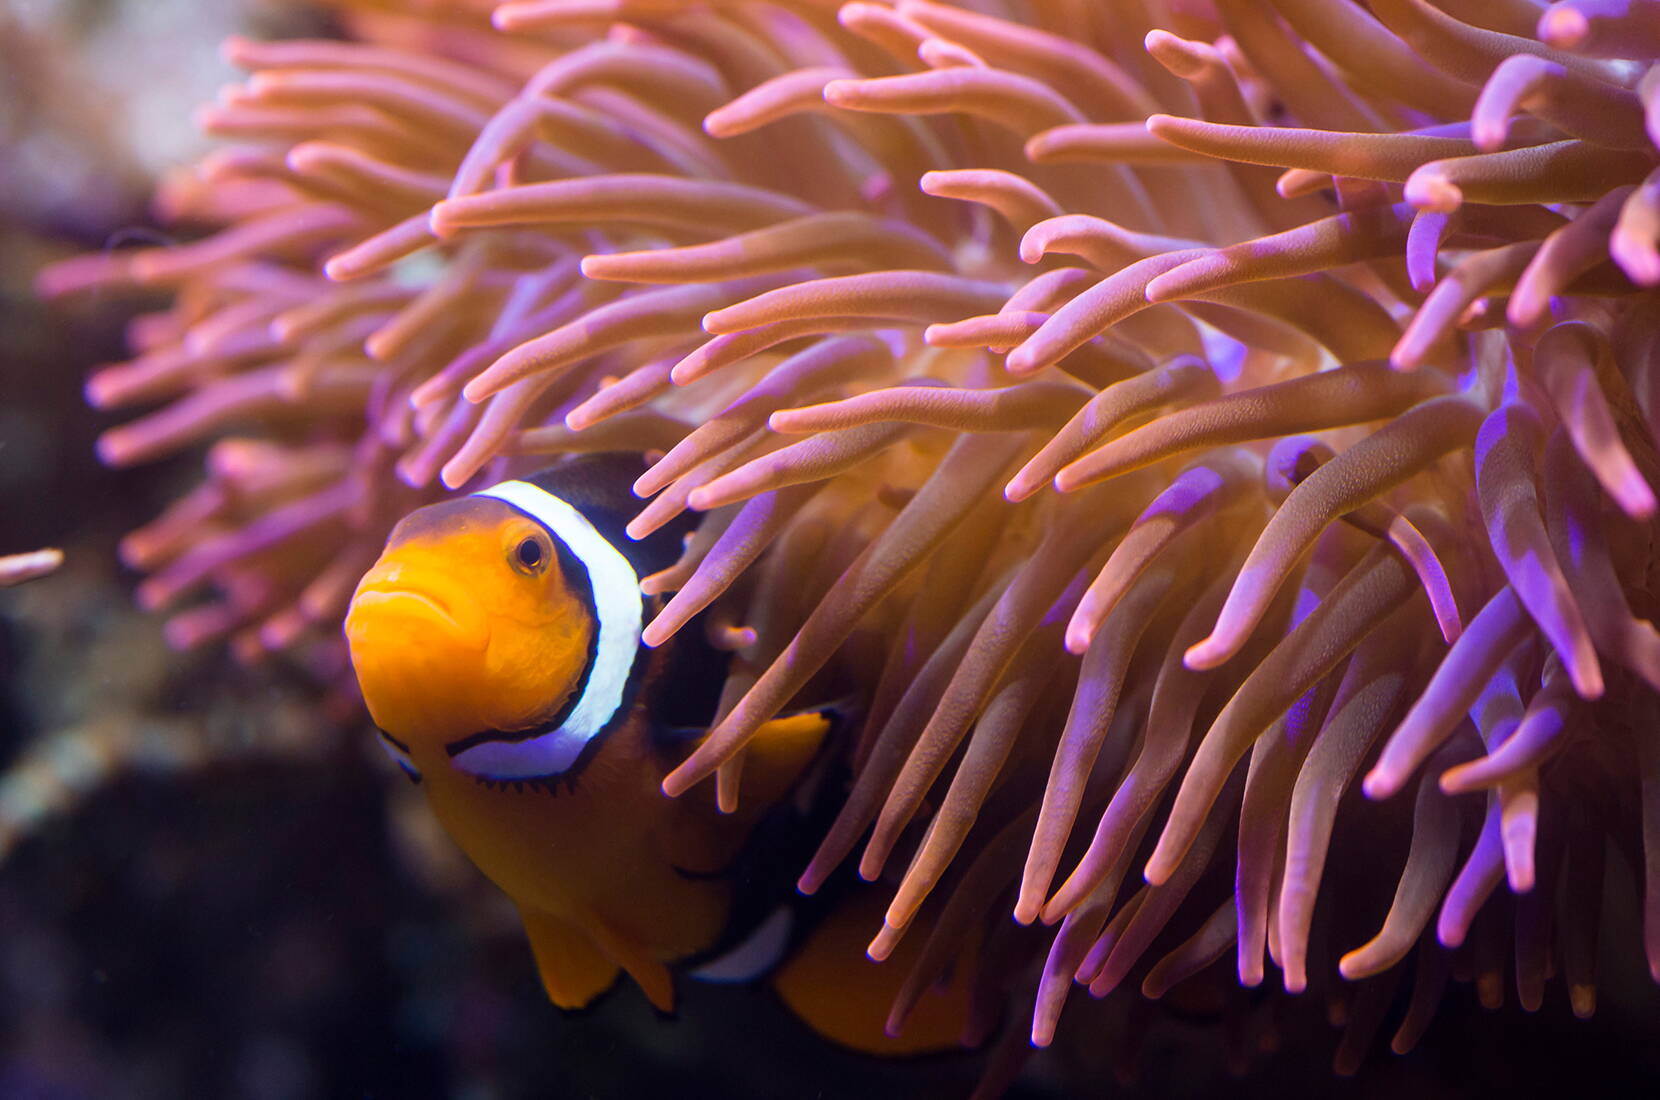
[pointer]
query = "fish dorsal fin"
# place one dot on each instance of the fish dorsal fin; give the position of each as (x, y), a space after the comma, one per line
(573, 970)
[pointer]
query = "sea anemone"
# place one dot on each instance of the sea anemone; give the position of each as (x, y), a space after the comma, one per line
(27, 566)
(1168, 414)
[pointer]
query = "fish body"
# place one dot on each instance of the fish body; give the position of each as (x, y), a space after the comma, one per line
(497, 645)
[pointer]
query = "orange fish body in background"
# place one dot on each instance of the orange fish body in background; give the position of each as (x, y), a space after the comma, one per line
(497, 644)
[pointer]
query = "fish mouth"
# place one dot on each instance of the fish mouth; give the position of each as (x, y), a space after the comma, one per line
(418, 604)
(393, 596)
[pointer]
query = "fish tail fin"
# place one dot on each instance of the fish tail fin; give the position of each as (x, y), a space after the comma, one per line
(574, 972)
(834, 988)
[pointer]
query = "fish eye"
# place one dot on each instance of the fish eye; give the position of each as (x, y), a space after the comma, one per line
(529, 556)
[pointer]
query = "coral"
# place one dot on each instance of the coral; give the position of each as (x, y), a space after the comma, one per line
(1171, 414)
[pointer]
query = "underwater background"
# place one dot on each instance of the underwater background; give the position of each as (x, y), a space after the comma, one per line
(213, 886)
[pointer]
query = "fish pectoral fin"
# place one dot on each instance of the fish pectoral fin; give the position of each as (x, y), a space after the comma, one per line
(650, 974)
(781, 751)
(574, 970)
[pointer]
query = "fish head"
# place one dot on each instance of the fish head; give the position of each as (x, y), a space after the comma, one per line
(472, 619)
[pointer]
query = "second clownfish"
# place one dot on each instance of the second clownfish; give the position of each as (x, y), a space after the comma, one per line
(497, 645)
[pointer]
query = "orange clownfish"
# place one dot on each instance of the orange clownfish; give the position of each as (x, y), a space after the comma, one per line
(497, 645)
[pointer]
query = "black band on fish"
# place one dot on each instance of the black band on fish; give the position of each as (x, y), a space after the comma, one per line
(618, 613)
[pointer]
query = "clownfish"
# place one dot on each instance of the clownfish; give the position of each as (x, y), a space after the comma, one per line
(497, 644)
